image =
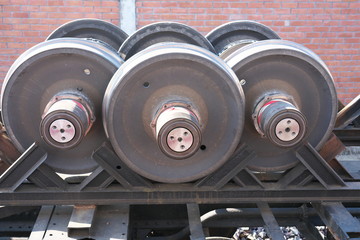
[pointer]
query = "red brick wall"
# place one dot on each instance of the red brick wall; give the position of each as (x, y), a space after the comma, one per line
(331, 28)
(24, 23)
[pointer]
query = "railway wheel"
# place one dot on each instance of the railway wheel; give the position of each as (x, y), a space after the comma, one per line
(162, 32)
(93, 29)
(174, 112)
(52, 95)
(233, 35)
(290, 99)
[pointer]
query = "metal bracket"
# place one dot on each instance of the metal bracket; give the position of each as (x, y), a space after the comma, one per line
(229, 170)
(309, 231)
(21, 169)
(338, 219)
(300, 176)
(271, 225)
(113, 165)
(65, 223)
(318, 167)
(45, 177)
(247, 178)
(30, 166)
(348, 114)
(41, 223)
(81, 220)
(196, 231)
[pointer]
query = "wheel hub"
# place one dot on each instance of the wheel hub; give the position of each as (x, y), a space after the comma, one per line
(280, 121)
(66, 120)
(178, 132)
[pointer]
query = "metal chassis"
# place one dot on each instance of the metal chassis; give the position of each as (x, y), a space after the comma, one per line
(312, 180)
(124, 221)
(316, 180)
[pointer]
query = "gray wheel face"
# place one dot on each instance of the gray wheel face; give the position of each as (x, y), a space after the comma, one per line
(91, 28)
(277, 68)
(162, 32)
(235, 31)
(60, 65)
(160, 75)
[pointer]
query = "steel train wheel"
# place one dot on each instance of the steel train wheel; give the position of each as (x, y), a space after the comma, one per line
(174, 112)
(162, 32)
(91, 28)
(53, 93)
(284, 81)
(229, 49)
(239, 32)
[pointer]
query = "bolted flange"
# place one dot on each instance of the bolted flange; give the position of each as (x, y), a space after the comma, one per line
(280, 121)
(178, 132)
(66, 120)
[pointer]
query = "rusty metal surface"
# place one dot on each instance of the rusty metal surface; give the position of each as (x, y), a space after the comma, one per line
(67, 61)
(159, 33)
(175, 72)
(236, 31)
(8, 152)
(293, 72)
(93, 29)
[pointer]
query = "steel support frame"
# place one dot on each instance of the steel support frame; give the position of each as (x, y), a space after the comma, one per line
(338, 219)
(113, 182)
(29, 194)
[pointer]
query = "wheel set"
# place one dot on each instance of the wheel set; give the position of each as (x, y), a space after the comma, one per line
(174, 105)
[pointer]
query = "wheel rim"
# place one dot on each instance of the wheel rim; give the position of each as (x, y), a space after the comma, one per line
(276, 67)
(93, 29)
(166, 76)
(75, 67)
(236, 31)
(162, 32)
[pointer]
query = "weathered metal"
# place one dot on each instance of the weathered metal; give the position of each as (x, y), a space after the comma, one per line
(172, 76)
(174, 113)
(91, 29)
(348, 114)
(71, 65)
(81, 221)
(340, 222)
(239, 34)
(8, 152)
(161, 32)
(275, 67)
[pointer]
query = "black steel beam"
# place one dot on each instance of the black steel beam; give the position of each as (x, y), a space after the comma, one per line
(318, 167)
(28, 194)
(338, 219)
(348, 114)
(349, 136)
(195, 226)
(247, 178)
(110, 162)
(271, 225)
(25, 165)
(308, 231)
(229, 170)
